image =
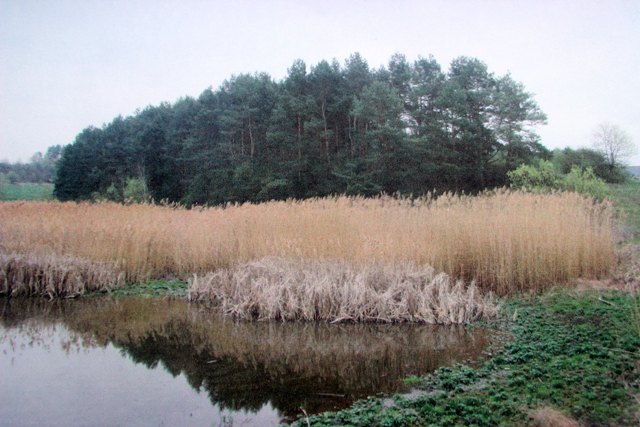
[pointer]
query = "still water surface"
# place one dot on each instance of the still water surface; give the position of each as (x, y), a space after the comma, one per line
(154, 362)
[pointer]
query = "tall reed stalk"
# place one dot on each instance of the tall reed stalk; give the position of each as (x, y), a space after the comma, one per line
(505, 241)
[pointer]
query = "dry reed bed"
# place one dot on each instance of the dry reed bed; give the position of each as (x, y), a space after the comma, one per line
(55, 276)
(505, 241)
(285, 289)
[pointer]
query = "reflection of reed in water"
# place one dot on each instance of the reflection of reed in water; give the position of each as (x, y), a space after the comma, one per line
(244, 364)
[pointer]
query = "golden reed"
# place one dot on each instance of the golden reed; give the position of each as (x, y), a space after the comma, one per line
(504, 241)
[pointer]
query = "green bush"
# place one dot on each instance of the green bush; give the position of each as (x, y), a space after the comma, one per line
(112, 193)
(135, 191)
(584, 181)
(528, 177)
(545, 178)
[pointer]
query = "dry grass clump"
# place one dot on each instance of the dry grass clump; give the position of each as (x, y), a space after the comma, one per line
(285, 289)
(549, 417)
(505, 241)
(55, 276)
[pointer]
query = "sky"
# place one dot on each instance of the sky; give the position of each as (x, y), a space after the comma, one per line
(69, 64)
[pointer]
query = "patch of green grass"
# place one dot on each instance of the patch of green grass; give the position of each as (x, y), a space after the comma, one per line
(153, 288)
(576, 352)
(26, 191)
(412, 380)
(626, 198)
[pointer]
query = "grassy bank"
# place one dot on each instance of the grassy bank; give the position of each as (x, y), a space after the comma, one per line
(26, 191)
(573, 356)
(151, 289)
(507, 242)
(626, 198)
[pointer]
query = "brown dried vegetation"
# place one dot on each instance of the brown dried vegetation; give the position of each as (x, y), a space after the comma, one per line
(55, 276)
(549, 417)
(506, 242)
(284, 289)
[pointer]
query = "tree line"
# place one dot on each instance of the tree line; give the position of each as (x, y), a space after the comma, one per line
(408, 127)
(40, 168)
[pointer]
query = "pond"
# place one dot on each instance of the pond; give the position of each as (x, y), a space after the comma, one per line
(135, 361)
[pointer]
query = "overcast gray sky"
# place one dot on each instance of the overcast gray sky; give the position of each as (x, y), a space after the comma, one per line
(65, 64)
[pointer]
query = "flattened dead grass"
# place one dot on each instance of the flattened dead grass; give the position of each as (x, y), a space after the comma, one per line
(285, 289)
(55, 276)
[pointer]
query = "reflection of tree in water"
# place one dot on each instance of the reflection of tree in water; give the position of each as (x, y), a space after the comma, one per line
(230, 384)
(245, 365)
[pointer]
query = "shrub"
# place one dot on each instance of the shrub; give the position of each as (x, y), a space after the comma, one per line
(584, 181)
(544, 178)
(135, 191)
(533, 178)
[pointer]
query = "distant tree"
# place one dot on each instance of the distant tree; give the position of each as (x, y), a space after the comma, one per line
(40, 168)
(400, 74)
(79, 170)
(53, 153)
(379, 108)
(324, 81)
(409, 127)
(36, 158)
(514, 115)
(614, 143)
(13, 177)
(357, 76)
(467, 98)
(564, 160)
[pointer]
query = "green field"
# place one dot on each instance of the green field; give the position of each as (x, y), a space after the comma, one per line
(26, 191)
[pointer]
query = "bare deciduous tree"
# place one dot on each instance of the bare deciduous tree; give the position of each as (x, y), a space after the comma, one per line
(614, 143)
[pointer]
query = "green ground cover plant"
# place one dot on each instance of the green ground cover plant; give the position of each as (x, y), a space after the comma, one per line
(153, 288)
(576, 352)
